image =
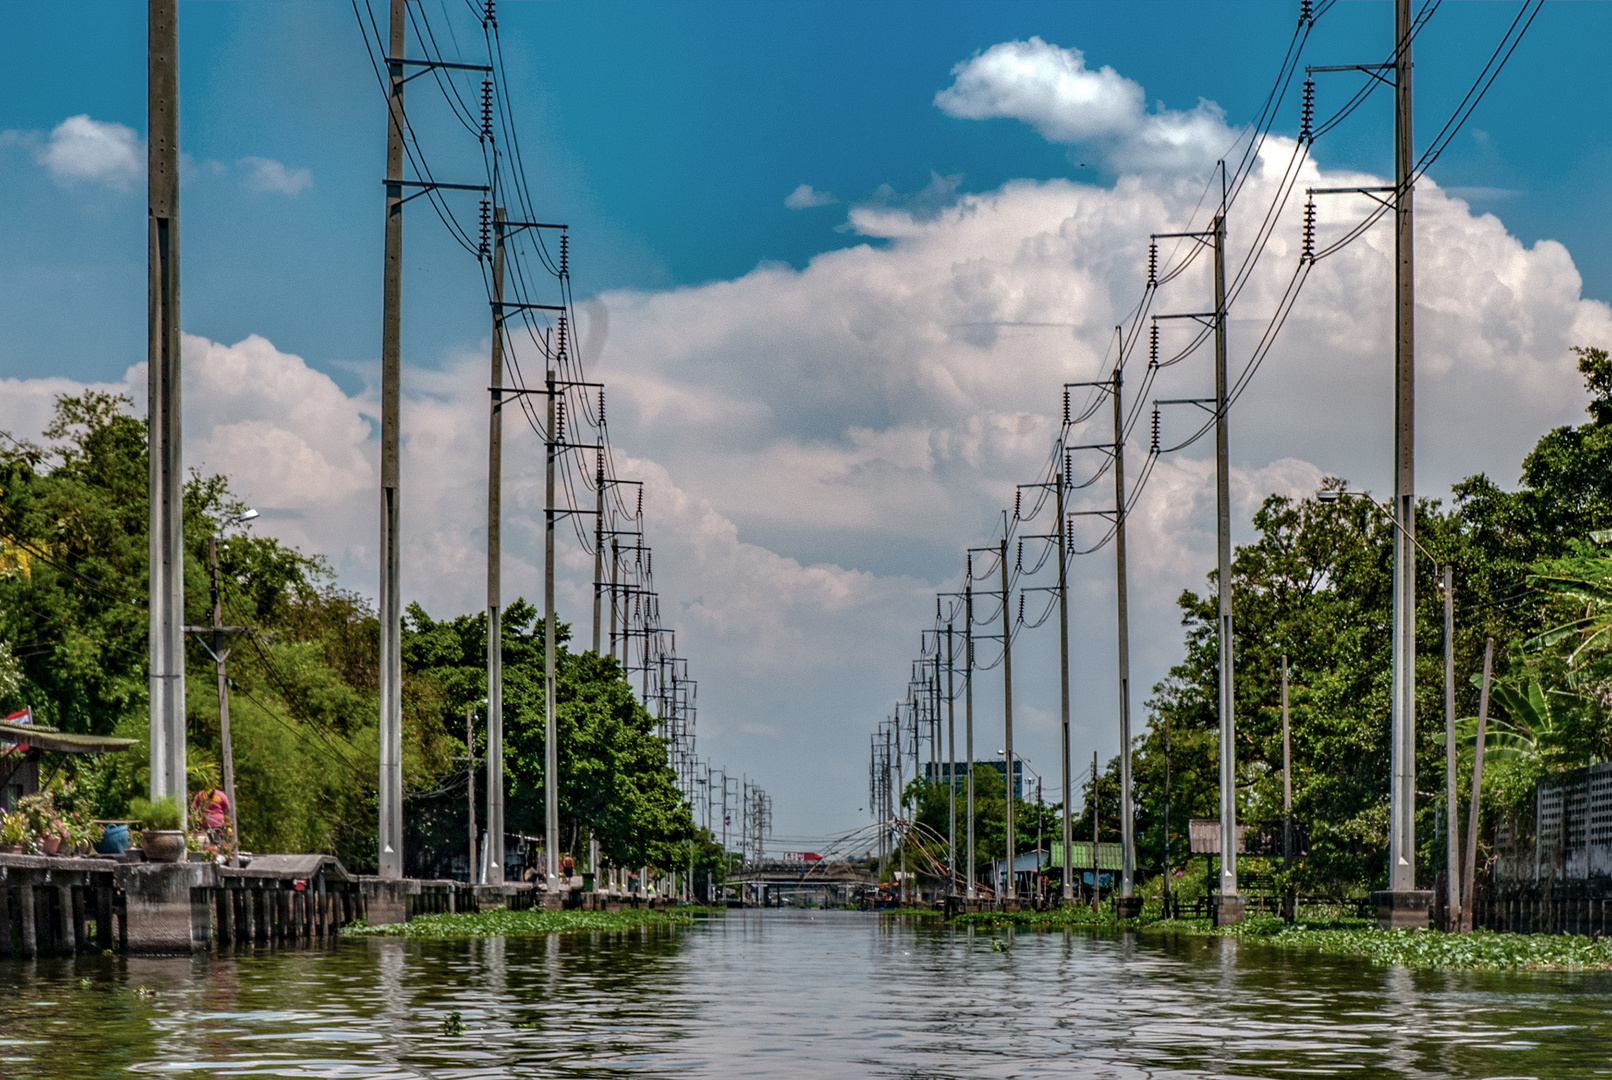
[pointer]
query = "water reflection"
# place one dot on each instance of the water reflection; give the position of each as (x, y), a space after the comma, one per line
(788, 994)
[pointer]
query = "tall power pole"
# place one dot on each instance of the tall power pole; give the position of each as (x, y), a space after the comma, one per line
(1063, 667)
(1231, 905)
(951, 766)
(598, 530)
(551, 749)
(470, 788)
(167, 685)
(1402, 800)
(1007, 708)
(495, 594)
(1123, 622)
(970, 893)
(390, 829)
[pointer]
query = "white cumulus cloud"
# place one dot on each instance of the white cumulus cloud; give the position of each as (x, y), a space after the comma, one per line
(805, 197)
(1052, 90)
(84, 149)
(270, 176)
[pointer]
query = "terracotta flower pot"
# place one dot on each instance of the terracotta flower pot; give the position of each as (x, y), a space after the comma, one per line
(162, 845)
(11, 849)
(50, 843)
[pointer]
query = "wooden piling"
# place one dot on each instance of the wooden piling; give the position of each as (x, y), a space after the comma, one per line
(224, 920)
(80, 921)
(30, 938)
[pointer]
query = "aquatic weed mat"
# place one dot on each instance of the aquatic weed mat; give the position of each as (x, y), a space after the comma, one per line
(531, 922)
(1481, 950)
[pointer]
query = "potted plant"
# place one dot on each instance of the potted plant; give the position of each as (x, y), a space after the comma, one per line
(162, 840)
(13, 833)
(44, 821)
(51, 835)
(82, 834)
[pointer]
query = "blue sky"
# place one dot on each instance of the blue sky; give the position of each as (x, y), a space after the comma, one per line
(822, 442)
(669, 135)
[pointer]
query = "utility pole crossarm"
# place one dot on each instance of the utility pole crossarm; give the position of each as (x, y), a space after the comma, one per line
(427, 65)
(499, 305)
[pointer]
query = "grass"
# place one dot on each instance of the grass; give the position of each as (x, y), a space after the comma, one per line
(531, 922)
(1481, 950)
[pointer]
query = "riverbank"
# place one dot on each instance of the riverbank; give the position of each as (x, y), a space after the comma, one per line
(529, 923)
(1481, 950)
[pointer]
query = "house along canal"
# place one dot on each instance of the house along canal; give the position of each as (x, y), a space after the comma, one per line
(794, 994)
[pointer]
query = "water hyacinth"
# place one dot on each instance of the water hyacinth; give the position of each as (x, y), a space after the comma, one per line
(533, 921)
(1481, 950)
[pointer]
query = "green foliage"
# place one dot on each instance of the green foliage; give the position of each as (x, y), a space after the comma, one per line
(10, 676)
(304, 680)
(162, 814)
(501, 922)
(930, 803)
(1316, 586)
(14, 828)
(615, 782)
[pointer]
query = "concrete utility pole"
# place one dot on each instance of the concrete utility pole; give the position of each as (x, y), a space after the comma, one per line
(1063, 671)
(1007, 708)
(1096, 838)
(1452, 850)
(390, 829)
(598, 530)
(1402, 801)
(551, 748)
(495, 592)
(970, 892)
(1287, 792)
(1469, 864)
(951, 768)
(470, 782)
(615, 564)
(1230, 904)
(166, 522)
(220, 653)
(1127, 845)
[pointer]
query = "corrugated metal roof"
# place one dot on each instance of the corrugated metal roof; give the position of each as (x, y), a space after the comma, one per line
(1109, 856)
(41, 737)
(1204, 835)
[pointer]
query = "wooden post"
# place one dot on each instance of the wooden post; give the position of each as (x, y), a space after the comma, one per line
(66, 943)
(103, 917)
(80, 923)
(30, 929)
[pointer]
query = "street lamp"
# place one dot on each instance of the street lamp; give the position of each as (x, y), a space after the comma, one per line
(1332, 496)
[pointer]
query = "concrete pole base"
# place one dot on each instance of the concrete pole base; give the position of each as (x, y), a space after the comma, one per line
(1403, 909)
(1228, 910)
(1127, 907)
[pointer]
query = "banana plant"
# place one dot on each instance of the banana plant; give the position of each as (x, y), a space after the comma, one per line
(1530, 723)
(1586, 579)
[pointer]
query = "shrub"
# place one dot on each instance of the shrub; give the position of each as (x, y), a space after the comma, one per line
(160, 816)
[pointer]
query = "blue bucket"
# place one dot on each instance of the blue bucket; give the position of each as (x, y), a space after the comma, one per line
(114, 840)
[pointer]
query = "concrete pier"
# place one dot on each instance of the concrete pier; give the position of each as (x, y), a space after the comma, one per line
(61, 906)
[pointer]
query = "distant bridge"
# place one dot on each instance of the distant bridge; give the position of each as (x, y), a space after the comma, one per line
(768, 880)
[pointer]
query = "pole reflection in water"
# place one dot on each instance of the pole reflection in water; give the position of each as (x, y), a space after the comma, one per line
(788, 994)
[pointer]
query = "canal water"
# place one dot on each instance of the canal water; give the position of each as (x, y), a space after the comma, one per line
(794, 994)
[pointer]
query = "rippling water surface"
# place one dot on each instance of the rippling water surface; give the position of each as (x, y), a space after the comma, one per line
(787, 994)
